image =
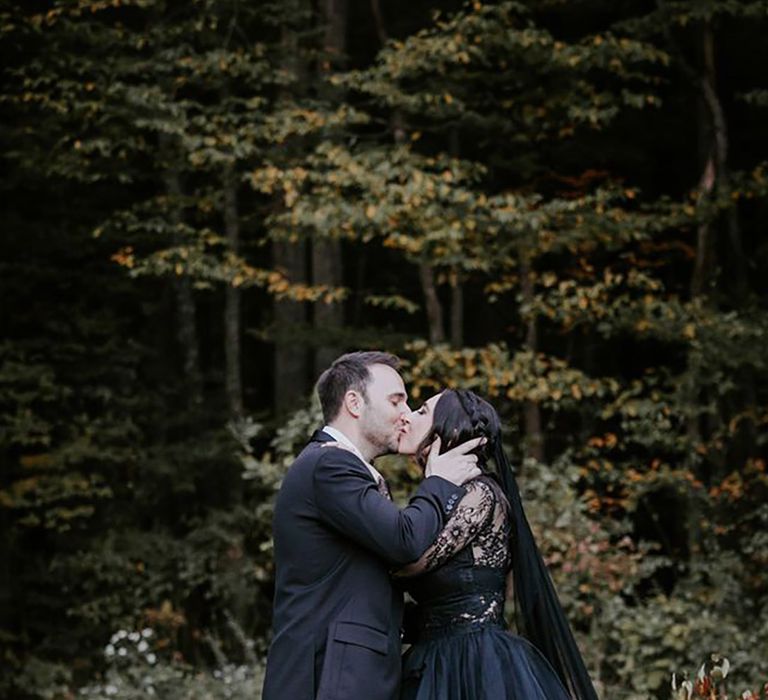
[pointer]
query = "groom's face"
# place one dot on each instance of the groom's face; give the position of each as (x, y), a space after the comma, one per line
(385, 409)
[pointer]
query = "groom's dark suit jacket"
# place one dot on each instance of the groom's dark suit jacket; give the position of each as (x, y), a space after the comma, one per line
(336, 614)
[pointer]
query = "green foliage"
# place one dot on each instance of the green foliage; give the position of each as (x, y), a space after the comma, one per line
(137, 669)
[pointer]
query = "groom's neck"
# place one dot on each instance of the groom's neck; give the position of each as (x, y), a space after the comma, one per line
(351, 429)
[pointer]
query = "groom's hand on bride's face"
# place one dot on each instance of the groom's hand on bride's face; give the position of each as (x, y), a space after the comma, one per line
(456, 465)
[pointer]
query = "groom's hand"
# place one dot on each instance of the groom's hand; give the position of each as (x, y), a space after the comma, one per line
(455, 465)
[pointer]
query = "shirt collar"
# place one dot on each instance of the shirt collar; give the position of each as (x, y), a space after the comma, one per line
(337, 435)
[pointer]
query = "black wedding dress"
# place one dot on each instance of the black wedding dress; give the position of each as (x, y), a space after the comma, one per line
(461, 649)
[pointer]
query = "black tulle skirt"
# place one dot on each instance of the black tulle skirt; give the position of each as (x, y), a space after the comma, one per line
(488, 663)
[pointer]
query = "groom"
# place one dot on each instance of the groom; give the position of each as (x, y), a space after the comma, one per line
(337, 535)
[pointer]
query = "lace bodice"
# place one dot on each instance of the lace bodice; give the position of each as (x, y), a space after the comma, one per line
(459, 581)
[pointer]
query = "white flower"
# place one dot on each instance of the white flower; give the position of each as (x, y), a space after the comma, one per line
(142, 646)
(146, 633)
(134, 637)
(122, 651)
(721, 670)
(109, 650)
(111, 690)
(151, 658)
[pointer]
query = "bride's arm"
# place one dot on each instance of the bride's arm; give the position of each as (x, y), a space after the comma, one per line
(472, 513)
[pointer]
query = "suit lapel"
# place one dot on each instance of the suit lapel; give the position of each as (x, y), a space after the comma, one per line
(322, 436)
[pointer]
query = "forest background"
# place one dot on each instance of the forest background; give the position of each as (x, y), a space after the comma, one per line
(559, 204)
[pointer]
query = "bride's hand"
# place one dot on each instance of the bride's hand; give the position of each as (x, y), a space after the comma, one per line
(456, 465)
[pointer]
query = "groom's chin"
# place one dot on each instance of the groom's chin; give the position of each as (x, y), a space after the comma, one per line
(391, 447)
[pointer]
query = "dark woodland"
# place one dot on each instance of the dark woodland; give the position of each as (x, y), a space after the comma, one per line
(561, 205)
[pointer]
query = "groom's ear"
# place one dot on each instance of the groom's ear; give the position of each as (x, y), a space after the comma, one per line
(353, 402)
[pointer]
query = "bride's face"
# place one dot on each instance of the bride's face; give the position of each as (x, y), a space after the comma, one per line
(417, 424)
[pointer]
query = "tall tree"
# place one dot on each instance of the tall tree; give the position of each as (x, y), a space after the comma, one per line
(327, 261)
(291, 360)
(232, 307)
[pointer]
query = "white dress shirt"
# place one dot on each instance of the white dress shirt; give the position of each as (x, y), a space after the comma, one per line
(337, 435)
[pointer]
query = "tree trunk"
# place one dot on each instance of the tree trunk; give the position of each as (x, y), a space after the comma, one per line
(457, 311)
(327, 318)
(432, 303)
(736, 258)
(534, 437)
(187, 335)
(291, 359)
(186, 328)
(378, 20)
(426, 272)
(701, 279)
(457, 289)
(361, 270)
(335, 16)
(232, 335)
(714, 146)
(327, 264)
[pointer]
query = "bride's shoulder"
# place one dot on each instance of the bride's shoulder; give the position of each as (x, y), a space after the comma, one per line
(482, 485)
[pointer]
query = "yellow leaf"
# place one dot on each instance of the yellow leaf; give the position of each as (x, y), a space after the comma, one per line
(370, 211)
(32, 461)
(576, 391)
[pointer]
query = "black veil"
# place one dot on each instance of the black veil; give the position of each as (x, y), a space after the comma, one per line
(539, 615)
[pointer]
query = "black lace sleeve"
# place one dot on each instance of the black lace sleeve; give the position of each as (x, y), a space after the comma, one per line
(474, 515)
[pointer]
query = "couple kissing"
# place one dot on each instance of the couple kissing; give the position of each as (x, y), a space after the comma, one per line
(345, 554)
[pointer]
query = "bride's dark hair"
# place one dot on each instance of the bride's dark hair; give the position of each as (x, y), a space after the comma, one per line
(461, 415)
(458, 416)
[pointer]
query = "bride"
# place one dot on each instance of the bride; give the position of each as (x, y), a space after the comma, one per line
(461, 650)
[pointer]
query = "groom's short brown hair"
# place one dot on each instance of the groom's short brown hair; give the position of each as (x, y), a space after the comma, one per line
(347, 372)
